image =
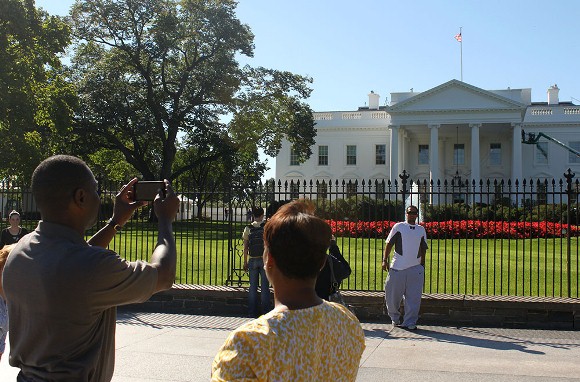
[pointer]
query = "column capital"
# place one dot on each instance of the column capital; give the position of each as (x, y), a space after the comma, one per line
(434, 125)
(516, 125)
(394, 127)
(475, 125)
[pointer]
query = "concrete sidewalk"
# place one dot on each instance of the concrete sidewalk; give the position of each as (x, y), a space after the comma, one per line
(174, 347)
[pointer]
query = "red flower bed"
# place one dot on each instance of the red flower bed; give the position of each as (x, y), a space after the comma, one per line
(459, 229)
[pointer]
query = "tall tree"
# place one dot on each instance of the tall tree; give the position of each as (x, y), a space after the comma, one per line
(36, 102)
(158, 76)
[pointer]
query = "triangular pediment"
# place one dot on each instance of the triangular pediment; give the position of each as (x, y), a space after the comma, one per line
(455, 96)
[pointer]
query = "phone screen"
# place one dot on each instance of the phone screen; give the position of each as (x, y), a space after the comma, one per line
(148, 190)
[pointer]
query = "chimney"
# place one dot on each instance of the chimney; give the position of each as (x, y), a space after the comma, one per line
(553, 95)
(374, 100)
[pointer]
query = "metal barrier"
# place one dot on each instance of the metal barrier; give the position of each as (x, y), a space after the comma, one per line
(493, 237)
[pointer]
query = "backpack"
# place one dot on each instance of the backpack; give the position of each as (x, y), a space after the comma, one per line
(256, 240)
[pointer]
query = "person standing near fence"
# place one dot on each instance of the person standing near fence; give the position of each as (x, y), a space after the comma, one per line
(406, 270)
(13, 233)
(62, 291)
(253, 237)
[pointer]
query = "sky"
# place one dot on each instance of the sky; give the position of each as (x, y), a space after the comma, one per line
(352, 47)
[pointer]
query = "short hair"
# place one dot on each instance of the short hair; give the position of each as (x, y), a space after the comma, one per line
(4, 252)
(297, 240)
(258, 211)
(415, 208)
(55, 180)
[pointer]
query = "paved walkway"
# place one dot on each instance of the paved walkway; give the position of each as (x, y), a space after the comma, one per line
(171, 347)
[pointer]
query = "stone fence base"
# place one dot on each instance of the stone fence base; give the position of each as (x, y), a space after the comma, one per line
(436, 309)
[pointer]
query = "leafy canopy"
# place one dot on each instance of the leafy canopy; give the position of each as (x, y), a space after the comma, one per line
(157, 79)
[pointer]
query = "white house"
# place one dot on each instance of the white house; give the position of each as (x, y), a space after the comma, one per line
(452, 130)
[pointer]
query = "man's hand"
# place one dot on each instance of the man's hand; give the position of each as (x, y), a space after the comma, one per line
(385, 265)
(125, 206)
(166, 209)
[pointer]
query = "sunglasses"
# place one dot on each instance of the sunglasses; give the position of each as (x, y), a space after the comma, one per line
(412, 212)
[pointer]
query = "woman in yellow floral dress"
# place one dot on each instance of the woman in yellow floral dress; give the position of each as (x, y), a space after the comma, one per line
(304, 338)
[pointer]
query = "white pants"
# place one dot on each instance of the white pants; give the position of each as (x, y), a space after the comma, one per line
(408, 284)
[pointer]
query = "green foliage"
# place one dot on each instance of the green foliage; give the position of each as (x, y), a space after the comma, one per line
(157, 78)
(36, 102)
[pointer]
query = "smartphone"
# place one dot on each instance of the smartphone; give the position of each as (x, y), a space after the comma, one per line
(145, 190)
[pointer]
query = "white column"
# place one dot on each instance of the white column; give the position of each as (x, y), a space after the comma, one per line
(516, 152)
(475, 159)
(434, 153)
(394, 160)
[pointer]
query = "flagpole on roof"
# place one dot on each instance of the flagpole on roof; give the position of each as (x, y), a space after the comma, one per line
(459, 38)
(461, 52)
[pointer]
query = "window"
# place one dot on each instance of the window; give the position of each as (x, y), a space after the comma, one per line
(542, 153)
(380, 154)
(323, 155)
(423, 192)
(495, 154)
(295, 190)
(351, 188)
(573, 158)
(380, 190)
(423, 154)
(542, 192)
(459, 153)
(351, 155)
(294, 157)
(322, 190)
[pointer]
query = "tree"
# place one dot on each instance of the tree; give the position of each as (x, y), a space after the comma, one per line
(36, 102)
(158, 77)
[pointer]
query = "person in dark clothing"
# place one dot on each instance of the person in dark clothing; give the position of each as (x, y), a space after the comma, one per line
(324, 287)
(12, 234)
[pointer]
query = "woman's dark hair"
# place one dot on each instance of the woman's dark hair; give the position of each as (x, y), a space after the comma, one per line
(297, 240)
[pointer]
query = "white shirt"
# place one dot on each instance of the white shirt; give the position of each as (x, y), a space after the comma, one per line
(407, 239)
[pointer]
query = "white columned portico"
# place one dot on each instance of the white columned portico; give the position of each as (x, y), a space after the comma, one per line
(475, 159)
(516, 152)
(434, 153)
(394, 160)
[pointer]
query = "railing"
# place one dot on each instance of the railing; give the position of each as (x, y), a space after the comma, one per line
(488, 238)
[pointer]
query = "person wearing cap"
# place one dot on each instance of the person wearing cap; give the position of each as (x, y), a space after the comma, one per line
(406, 269)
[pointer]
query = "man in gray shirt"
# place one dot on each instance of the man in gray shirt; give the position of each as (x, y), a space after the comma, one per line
(62, 291)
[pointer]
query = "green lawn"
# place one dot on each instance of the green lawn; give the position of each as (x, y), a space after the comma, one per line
(531, 267)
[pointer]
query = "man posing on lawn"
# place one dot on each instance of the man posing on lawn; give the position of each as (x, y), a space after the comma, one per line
(407, 270)
(62, 291)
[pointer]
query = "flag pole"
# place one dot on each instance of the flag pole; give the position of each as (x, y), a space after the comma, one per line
(461, 52)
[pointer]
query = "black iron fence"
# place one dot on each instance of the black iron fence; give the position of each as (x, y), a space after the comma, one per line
(494, 237)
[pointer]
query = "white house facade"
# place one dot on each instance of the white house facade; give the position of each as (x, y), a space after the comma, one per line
(452, 130)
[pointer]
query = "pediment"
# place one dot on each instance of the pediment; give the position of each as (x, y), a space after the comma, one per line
(294, 174)
(323, 175)
(454, 96)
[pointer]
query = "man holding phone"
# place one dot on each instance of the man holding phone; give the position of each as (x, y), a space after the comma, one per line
(62, 291)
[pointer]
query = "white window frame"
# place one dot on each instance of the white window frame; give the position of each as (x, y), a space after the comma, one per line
(350, 156)
(322, 155)
(421, 160)
(539, 157)
(492, 162)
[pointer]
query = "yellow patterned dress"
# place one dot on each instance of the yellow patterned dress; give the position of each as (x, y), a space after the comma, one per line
(321, 343)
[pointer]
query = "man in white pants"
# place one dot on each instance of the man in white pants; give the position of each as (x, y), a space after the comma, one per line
(406, 270)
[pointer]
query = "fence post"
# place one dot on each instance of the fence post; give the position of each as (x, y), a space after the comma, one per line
(569, 175)
(404, 176)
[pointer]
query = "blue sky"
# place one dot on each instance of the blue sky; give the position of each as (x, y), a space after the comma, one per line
(352, 47)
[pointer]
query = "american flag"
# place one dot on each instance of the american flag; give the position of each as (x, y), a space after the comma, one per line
(458, 37)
